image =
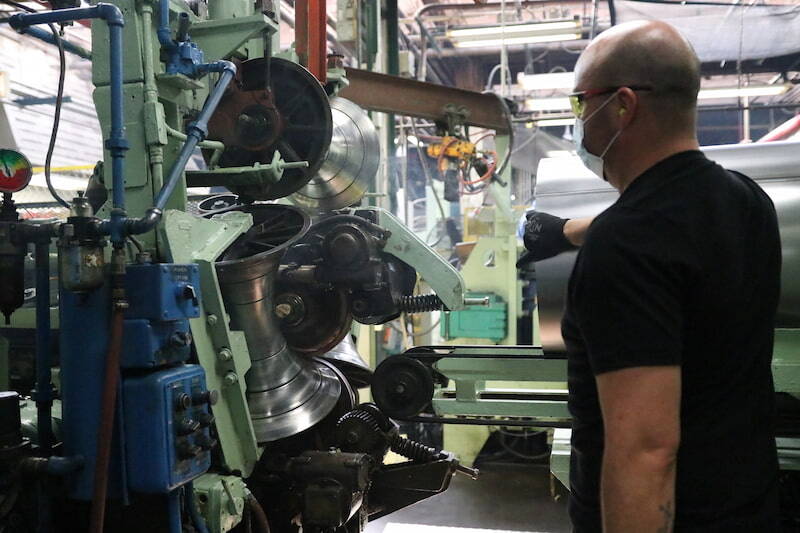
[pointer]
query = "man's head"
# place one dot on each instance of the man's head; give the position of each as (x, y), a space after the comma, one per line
(643, 79)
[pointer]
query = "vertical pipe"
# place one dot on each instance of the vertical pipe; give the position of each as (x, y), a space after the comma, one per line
(155, 151)
(317, 39)
(117, 114)
(44, 398)
(393, 68)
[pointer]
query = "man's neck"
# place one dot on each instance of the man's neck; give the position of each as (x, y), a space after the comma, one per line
(643, 159)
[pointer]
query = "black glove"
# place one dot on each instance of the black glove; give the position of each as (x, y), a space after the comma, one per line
(544, 237)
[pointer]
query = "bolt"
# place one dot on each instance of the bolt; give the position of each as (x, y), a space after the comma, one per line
(211, 320)
(400, 388)
(224, 354)
(283, 310)
(352, 437)
(231, 379)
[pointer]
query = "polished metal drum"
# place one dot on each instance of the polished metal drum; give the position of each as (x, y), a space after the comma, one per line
(567, 189)
(347, 359)
(286, 393)
(351, 163)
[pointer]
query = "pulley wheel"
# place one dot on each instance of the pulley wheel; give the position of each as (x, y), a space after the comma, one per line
(288, 113)
(313, 321)
(402, 387)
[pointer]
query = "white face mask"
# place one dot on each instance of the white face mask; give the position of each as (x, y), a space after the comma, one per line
(592, 162)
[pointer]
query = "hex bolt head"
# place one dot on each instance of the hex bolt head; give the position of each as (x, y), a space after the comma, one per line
(230, 379)
(211, 320)
(225, 355)
(283, 310)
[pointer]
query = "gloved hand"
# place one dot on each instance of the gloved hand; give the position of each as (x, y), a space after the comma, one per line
(544, 237)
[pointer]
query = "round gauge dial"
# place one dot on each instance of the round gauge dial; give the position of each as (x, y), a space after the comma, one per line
(15, 171)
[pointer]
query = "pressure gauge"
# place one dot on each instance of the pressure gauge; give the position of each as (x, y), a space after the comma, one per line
(15, 171)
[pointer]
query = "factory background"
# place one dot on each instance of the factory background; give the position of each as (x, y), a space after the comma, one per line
(444, 192)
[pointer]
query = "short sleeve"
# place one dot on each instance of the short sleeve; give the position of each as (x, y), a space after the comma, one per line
(628, 292)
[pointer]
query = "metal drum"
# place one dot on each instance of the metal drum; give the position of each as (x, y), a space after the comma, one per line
(567, 189)
(286, 393)
(352, 161)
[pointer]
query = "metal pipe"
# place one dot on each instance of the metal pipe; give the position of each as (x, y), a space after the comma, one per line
(197, 132)
(44, 390)
(197, 520)
(155, 151)
(164, 31)
(783, 131)
(116, 143)
(47, 37)
(198, 129)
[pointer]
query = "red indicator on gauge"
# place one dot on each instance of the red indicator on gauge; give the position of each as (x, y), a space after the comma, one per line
(15, 171)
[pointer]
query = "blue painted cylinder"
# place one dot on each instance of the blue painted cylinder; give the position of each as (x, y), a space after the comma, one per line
(84, 336)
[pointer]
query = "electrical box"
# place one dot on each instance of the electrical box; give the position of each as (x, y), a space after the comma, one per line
(163, 291)
(479, 322)
(167, 427)
(162, 296)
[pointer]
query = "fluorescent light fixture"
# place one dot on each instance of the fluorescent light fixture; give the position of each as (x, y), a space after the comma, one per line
(547, 104)
(516, 30)
(545, 82)
(545, 123)
(738, 92)
(510, 34)
(517, 40)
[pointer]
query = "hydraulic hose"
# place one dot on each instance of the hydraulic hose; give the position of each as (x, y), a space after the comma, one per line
(259, 516)
(109, 398)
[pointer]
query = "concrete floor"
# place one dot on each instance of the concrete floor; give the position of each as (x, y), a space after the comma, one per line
(506, 497)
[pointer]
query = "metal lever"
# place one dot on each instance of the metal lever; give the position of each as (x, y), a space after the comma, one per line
(482, 301)
(471, 472)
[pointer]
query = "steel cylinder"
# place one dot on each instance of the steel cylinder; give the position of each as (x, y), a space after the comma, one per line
(286, 393)
(566, 188)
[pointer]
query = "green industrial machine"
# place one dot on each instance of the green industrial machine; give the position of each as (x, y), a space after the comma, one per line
(193, 390)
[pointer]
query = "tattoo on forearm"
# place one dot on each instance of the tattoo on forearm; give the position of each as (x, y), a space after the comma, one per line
(669, 515)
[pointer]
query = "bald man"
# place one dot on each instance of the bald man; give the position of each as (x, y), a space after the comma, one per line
(670, 308)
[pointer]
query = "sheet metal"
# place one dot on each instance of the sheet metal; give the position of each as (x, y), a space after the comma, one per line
(567, 189)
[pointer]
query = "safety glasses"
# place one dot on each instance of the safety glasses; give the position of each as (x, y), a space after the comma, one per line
(577, 100)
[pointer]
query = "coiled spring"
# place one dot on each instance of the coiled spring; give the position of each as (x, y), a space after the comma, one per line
(413, 450)
(422, 303)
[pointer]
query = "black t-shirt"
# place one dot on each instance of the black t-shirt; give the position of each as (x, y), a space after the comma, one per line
(684, 269)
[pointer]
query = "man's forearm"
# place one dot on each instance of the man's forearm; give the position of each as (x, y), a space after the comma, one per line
(638, 491)
(575, 230)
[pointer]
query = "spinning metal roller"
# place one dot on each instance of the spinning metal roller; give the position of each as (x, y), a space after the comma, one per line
(352, 161)
(286, 393)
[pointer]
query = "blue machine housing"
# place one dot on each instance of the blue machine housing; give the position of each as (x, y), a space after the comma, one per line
(162, 297)
(163, 291)
(163, 451)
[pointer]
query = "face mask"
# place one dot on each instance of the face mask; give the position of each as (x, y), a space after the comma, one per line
(592, 162)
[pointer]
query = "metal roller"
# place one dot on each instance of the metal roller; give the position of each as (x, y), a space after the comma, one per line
(347, 359)
(352, 161)
(286, 393)
(566, 188)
